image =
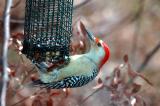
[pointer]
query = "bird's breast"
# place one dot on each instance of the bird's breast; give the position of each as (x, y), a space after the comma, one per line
(81, 66)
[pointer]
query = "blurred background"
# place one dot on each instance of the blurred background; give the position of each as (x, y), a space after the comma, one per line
(128, 26)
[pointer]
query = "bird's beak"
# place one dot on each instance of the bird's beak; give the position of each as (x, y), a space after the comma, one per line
(85, 31)
(90, 35)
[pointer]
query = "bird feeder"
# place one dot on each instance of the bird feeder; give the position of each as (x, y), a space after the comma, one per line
(47, 30)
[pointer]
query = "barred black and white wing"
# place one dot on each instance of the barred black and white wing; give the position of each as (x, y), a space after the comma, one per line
(69, 82)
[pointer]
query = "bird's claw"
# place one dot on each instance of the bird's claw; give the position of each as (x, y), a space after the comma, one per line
(43, 66)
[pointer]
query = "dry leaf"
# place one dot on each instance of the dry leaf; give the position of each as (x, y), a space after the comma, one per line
(37, 102)
(50, 102)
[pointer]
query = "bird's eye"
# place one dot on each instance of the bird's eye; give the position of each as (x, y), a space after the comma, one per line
(99, 44)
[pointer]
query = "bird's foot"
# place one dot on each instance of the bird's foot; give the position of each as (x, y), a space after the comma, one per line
(43, 66)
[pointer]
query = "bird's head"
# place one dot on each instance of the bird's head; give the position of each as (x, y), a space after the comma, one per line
(97, 44)
(101, 45)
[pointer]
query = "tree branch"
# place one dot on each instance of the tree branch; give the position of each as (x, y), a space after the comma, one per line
(86, 98)
(5, 78)
(81, 4)
(148, 57)
(146, 60)
(16, 4)
(21, 21)
(17, 21)
(138, 24)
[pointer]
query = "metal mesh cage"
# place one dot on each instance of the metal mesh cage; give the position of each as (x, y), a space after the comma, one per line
(47, 30)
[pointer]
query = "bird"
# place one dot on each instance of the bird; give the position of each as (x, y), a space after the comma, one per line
(80, 70)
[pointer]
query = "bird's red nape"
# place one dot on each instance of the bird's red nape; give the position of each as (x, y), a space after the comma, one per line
(107, 54)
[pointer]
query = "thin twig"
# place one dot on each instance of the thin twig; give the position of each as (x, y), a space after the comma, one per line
(148, 57)
(146, 60)
(138, 24)
(17, 21)
(21, 21)
(16, 4)
(6, 17)
(81, 4)
(28, 73)
(25, 98)
(21, 101)
(86, 98)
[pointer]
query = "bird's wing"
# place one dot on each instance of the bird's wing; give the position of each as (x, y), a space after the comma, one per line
(68, 82)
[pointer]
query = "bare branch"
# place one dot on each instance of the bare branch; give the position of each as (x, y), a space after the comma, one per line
(146, 60)
(25, 98)
(16, 4)
(86, 98)
(148, 57)
(138, 24)
(21, 21)
(18, 21)
(6, 17)
(81, 4)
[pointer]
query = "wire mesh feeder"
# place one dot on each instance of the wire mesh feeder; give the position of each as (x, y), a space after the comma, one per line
(48, 30)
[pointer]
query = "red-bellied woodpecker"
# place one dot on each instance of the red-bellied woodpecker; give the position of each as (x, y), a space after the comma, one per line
(79, 71)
